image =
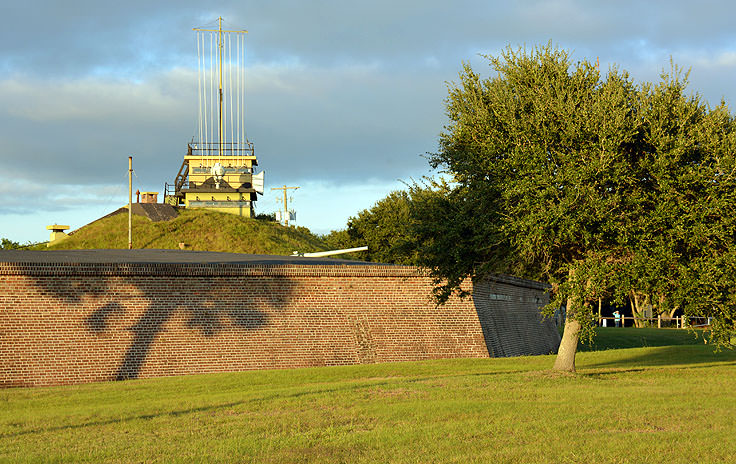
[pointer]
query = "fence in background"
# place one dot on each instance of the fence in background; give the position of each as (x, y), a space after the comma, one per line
(660, 321)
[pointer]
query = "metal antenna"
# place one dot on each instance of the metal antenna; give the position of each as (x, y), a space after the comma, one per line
(220, 49)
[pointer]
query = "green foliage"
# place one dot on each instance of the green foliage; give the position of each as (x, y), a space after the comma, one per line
(456, 235)
(7, 244)
(198, 230)
(266, 217)
(604, 188)
(384, 228)
(337, 239)
(540, 151)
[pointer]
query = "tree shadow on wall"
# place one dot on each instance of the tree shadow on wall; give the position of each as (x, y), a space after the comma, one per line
(210, 311)
(98, 321)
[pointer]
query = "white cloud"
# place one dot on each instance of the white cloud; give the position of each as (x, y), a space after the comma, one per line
(712, 60)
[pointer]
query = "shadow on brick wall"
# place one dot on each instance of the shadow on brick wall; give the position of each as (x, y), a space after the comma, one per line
(211, 308)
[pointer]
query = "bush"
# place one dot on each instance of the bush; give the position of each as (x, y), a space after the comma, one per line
(7, 244)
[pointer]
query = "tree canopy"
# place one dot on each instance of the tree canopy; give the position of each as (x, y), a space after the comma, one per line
(608, 189)
(384, 228)
(605, 188)
(7, 244)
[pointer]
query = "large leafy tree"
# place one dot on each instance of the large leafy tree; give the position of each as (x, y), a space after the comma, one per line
(606, 189)
(684, 257)
(543, 146)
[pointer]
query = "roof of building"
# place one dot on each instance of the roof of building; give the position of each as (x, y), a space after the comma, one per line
(164, 256)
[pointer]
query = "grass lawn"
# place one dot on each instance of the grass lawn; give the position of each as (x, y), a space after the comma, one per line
(614, 338)
(674, 404)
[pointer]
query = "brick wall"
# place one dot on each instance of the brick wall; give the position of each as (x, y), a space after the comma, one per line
(66, 323)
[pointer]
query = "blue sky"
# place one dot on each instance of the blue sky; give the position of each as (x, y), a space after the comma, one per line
(343, 98)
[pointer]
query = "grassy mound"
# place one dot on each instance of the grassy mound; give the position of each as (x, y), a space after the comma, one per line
(198, 230)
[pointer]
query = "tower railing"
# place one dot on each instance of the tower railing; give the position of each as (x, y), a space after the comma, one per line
(220, 149)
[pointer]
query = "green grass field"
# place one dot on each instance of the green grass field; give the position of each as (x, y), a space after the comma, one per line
(672, 403)
(616, 338)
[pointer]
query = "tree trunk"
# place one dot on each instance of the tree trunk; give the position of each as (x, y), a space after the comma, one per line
(637, 309)
(569, 345)
(674, 310)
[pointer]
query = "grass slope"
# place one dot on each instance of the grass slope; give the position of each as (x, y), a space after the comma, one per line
(199, 230)
(671, 404)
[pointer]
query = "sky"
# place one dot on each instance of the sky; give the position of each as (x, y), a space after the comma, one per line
(343, 99)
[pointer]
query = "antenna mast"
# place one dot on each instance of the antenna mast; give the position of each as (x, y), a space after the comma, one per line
(130, 202)
(219, 42)
(220, 51)
(219, 168)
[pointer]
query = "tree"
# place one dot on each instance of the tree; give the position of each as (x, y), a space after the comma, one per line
(605, 189)
(543, 149)
(7, 244)
(384, 228)
(457, 235)
(688, 245)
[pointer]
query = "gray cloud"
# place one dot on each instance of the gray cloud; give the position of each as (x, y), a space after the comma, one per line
(338, 93)
(95, 37)
(26, 197)
(346, 123)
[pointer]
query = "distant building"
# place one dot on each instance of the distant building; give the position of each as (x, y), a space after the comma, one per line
(148, 197)
(57, 233)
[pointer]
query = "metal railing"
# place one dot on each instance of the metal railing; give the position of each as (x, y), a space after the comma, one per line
(170, 190)
(223, 149)
(661, 321)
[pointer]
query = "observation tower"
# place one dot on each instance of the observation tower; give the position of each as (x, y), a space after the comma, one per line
(219, 168)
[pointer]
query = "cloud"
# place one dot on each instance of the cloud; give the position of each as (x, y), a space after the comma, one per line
(337, 122)
(339, 94)
(127, 38)
(28, 197)
(94, 98)
(78, 130)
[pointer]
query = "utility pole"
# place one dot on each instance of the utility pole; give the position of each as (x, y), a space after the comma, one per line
(286, 206)
(130, 202)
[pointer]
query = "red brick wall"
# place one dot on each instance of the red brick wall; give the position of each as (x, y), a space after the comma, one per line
(64, 324)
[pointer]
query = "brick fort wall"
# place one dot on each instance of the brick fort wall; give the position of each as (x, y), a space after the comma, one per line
(75, 323)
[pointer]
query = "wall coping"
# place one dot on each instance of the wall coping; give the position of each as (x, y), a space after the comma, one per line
(69, 269)
(204, 270)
